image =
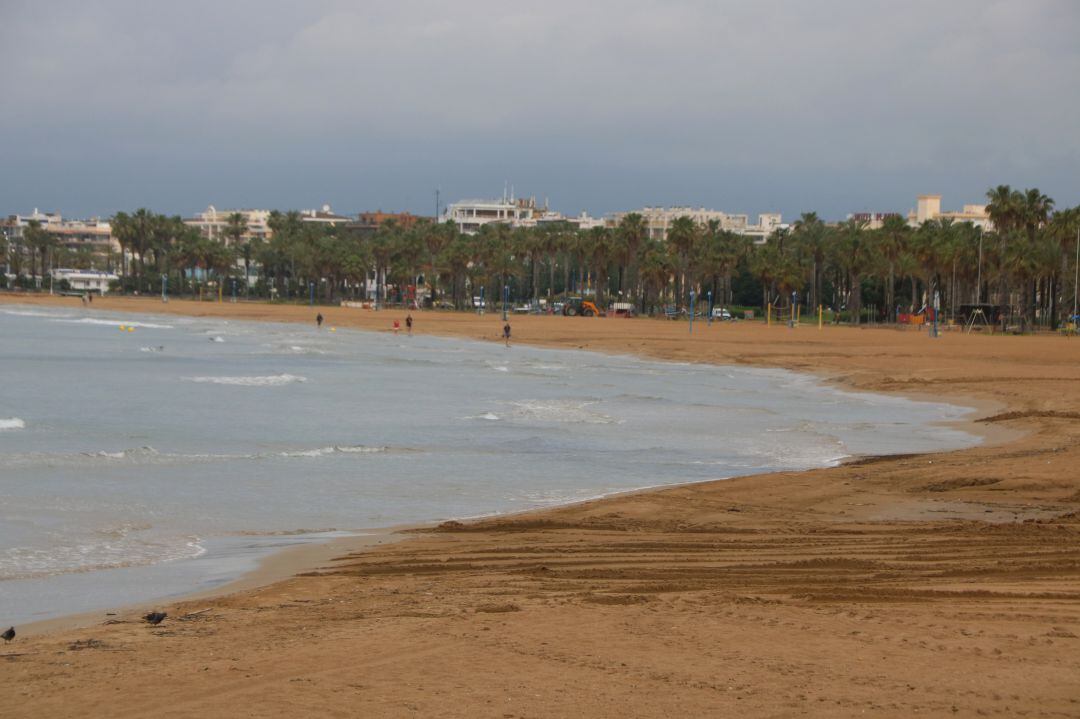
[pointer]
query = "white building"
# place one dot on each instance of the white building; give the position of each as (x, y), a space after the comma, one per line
(93, 233)
(213, 222)
(658, 221)
(471, 215)
(582, 221)
(85, 280)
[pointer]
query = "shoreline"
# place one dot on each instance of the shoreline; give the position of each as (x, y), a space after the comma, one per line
(928, 583)
(276, 565)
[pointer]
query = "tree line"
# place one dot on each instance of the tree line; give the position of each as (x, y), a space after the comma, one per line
(1025, 263)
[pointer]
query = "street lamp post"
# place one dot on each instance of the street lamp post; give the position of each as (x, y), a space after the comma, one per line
(691, 312)
(1076, 276)
(978, 286)
(709, 319)
(164, 288)
(506, 297)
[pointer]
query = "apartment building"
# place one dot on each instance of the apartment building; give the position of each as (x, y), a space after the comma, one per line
(928, 207)
(212, 223)
(92, 233)
(471, 215)
(658, 221)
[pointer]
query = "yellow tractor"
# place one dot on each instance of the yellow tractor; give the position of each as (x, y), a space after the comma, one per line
(577, 306)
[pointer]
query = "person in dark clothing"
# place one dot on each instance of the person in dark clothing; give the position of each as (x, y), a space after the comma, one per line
(318, 320)
(408, 324)
(506, 333)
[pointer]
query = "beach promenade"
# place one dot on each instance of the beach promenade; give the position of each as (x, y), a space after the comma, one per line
(938, 585)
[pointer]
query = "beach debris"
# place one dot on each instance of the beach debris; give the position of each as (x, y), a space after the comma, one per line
(155, 618)
(8, 635)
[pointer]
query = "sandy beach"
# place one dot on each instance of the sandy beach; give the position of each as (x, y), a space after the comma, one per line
(944, 584)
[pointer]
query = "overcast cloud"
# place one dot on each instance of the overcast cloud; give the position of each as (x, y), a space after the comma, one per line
(830, 105)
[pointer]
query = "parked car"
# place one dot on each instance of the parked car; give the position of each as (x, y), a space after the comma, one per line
(721, 313)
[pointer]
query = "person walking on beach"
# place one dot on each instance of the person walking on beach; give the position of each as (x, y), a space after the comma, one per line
(408, 324)
(506, 333)
(397, 326)
(318, 320)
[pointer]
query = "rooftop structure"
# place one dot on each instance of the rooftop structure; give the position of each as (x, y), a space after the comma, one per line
(325, 216)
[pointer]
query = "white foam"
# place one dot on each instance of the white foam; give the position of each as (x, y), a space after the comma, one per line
(124, 453)
(489, 416)
(32, 313)
(217, 338)
(560, 410)
(115, 323)
(12, 423)
(275, 380)
(336, 449)
(107, 549)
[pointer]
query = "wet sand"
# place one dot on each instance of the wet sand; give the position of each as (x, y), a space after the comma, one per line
(944, 584)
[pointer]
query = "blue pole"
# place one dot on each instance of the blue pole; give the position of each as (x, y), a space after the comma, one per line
(480, 309)
(710, 307)
(691, 312)
(311, 300)
(164, 288)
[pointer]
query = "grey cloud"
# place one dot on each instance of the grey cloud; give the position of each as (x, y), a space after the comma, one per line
(833, 105)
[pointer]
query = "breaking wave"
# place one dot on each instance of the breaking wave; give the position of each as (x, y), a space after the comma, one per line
(275, 380)
(11, 423)
(115, 323)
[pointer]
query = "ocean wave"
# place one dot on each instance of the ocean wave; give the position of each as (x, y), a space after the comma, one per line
(109, 548)
(335, 449)
(12, 423)
(151, 456)
(114, 323)
(124, 453)
(489, 416)
(275, 380)
(33, 313)
(561, 410)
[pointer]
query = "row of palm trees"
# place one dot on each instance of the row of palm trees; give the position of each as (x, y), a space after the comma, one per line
(1024, 263)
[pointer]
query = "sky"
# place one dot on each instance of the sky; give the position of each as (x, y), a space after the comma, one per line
(746, 106)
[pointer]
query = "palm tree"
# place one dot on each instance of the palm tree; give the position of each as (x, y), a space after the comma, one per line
(895, 235)
(236, 227)
(855, 256)
(599, 248)
(39, 241)
(1004, 211)
(656, 268)
(809, 233)
(1033, 211)
(630, 233)
(683, 235)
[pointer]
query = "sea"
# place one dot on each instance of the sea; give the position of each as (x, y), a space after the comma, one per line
(143, 457)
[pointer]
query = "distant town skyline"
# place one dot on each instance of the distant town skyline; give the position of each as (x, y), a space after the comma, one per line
(834, 107)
